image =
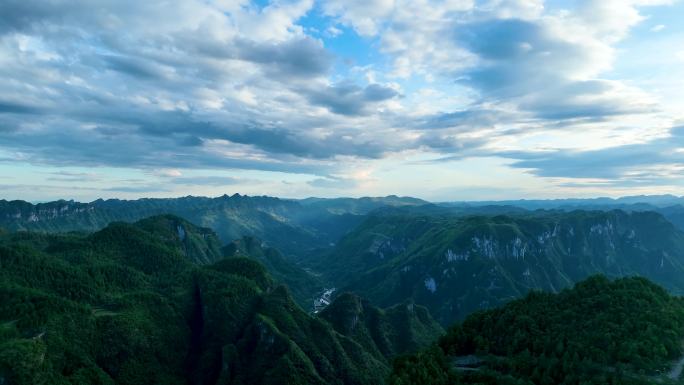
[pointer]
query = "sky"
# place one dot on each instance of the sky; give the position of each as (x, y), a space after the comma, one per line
(442, 100)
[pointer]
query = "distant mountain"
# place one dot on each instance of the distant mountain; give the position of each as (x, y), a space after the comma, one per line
(626, 332)
(455, 265)
(361, 206)
(535, 204)
(291, 226)
(670, 206)
(154, 302)
(285, 224)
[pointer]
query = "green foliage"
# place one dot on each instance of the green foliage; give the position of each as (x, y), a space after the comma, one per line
(622, 332)
(386, 333)
(302, 284)
(455, 265)
(290, 226)
(142, 304)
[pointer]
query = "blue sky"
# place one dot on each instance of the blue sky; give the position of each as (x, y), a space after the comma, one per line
(443, 100)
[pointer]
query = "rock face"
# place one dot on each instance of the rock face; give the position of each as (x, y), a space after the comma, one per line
(455, 266)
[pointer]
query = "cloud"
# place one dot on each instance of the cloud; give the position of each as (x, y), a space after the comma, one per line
(350, 99)
(302, 57)
(208, 180)
(544, 72)
(138, 189)
(239, 87)
(242, 85)
(68, 176)
(511, 52)
(17, 108)
(333, 183)
(657, 161)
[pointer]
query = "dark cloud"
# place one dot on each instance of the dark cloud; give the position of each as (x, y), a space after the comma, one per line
(66, 145)
(465, 119)
(17, 108)
(303, 57)
(613, 163)
(124, 93)
(132, 66)
(350, 99)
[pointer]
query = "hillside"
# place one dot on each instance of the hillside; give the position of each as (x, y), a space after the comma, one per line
(385, 333)
(285, 224)
(628, 331)
(455, 265)
(293, 227)
(302, 284)
(669, 206)
(154, 303)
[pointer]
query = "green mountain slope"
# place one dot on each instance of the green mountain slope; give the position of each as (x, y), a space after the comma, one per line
(294, 227)
(154, 303)
(385, 333)
(456, 265)
(302, 284)
(600, 332)
(284, 224)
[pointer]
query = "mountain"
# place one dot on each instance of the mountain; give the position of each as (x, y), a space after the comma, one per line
(302, 284)
(670, 206)
(627, 331)
(385, 333)
(361, 206)
(155, 302)
(293, 227)
(455, 265)
(586, 203)
(285, 224)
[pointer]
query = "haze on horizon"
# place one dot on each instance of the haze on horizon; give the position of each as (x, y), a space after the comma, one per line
(440, 100)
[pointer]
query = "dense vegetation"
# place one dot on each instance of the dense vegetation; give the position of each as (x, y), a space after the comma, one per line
(159, 301)
(302, 284)
(455, 265)
(155, 303)
(600, 332)
(383, 332)
(294, 227)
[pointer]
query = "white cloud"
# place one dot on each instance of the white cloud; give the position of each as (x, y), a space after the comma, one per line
(230, 84)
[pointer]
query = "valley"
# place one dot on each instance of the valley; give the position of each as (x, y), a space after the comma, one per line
(343, 311)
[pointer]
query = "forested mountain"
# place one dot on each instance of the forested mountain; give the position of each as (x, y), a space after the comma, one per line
(291, 226)
(626, 332)
(455, 265)
(285, 224)
(155, 303)
(670, 206)
(302, 284)
(385, 333)
(361, 206)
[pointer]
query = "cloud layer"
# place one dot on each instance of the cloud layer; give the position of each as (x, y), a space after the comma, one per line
(232, 85)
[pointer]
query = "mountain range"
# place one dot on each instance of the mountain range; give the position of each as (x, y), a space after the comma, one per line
(130, 292)
(155, 302)
(456, 265)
